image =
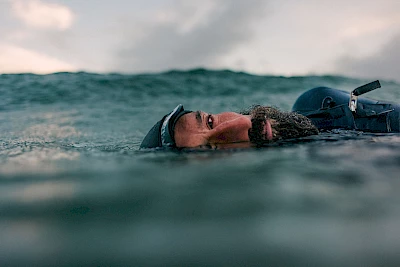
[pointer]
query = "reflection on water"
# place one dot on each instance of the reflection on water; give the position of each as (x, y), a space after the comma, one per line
(34, 142)
(49, 132)
(50, 190)
(20, 234)
(35, 160)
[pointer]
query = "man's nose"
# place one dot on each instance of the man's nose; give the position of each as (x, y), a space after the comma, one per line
(233, 130)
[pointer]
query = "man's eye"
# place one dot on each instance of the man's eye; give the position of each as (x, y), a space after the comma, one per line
(210, 121)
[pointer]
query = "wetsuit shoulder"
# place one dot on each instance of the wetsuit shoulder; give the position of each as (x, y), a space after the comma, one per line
(328, 109)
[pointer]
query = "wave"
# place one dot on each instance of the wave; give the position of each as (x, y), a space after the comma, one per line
(83, 87)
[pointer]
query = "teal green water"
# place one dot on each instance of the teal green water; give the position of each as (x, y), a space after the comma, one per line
(76, 190)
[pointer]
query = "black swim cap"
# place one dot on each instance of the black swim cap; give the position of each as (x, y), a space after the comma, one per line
(162, 133)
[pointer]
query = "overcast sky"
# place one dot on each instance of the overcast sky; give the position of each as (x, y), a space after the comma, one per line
(283, 37)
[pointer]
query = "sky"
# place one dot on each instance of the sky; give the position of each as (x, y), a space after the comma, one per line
(268, 37)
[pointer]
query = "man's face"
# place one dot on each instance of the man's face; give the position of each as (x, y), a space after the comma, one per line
(256, 126)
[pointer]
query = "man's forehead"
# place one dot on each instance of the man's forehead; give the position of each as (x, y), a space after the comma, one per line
(199, 117)
(191, 124)
(189, 131)
(193, 119)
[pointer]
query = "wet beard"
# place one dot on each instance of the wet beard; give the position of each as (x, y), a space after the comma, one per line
(285, 125)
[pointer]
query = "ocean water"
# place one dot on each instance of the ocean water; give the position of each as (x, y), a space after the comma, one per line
(75, 190)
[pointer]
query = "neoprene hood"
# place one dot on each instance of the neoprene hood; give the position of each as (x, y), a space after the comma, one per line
(162, 133)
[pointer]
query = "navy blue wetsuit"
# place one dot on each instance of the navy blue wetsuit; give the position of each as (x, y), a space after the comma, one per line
(329, 109)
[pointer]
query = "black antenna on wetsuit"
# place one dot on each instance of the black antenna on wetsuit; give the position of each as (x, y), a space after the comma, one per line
(362, 90)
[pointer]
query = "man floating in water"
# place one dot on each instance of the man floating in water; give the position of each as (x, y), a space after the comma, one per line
(320, 108)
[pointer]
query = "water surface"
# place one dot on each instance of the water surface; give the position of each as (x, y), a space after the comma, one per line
(76, 190)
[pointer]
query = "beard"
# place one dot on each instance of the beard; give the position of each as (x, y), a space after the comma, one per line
(285, 125)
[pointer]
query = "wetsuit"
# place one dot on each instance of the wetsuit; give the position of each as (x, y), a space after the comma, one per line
(330, 109)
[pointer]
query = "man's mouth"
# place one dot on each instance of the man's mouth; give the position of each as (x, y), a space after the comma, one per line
(270, 124)
(261, 131)
(267, 132)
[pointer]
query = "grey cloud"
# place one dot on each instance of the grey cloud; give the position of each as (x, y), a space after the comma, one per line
(164, 47)
(384, 64)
